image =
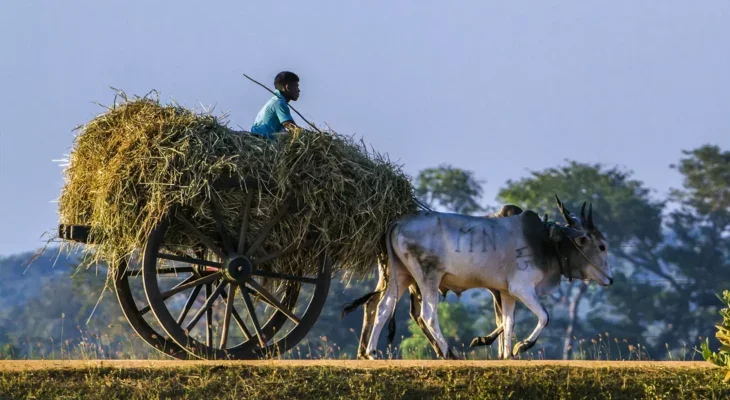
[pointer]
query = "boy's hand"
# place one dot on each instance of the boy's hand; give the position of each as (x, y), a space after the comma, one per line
(294, 129)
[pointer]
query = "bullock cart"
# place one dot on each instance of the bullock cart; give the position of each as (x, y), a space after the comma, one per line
(220, 244)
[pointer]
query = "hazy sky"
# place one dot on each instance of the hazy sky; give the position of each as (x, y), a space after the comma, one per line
(488, 86)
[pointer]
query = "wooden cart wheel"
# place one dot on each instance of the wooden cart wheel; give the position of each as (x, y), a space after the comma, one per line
(227, 271)
(135, 315)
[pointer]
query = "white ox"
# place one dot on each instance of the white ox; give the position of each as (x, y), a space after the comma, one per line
(516, 256)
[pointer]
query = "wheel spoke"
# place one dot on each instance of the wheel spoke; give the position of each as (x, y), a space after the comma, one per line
(239, 321)
(227, 315)
(266, 229)
(244, 224)
(208, 242)
(174, 270)
(188, 304)
(209, 315)
(218, 215)
(188, 260)
(258, 297)
(237, 317)
(201, 281)
(272, 300)
(287, 277)
(167, 294)
(207, 306)
(252, 314)
(285, 251)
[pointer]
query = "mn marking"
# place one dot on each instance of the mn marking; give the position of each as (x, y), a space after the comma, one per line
(470, 231)
(491, 238)
(487, 237)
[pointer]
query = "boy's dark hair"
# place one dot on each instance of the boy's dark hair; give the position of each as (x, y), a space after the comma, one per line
(284, 78)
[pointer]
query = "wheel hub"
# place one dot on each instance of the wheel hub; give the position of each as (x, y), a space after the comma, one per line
(238, 269)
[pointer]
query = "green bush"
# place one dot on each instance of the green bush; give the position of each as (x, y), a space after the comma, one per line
(721, 358)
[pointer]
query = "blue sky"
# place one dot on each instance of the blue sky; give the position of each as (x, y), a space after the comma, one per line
(499, 88)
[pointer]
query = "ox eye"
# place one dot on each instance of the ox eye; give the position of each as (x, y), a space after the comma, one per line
(602, 247)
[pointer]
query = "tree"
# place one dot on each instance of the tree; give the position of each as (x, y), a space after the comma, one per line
(628, 217)
(699, 255)
(452, 188)
(706, 173)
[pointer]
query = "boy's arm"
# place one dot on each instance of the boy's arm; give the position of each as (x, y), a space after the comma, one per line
(282, 112)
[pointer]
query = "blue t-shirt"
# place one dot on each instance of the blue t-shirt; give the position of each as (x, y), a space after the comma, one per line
(272, 116)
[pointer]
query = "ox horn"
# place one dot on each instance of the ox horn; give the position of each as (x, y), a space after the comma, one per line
(583, 214)
(564, 211)
(590, 217)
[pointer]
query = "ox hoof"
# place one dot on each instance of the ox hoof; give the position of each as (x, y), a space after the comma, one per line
(451, 356)
(522, 347)
(365, 356)
(482, 341)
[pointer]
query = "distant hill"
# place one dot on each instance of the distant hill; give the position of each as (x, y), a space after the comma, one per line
(49, 302)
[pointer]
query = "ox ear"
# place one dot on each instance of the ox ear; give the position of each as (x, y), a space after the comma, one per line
(579, 237)
(582, 240)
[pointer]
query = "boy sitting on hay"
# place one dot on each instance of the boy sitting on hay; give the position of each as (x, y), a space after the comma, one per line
(275, 116)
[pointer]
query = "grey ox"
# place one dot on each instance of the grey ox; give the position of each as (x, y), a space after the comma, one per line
(514, 254)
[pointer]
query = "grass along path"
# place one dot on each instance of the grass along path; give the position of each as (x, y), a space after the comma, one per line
(333, 379)
(24, 365)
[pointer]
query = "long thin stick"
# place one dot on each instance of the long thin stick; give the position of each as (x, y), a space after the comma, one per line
(272, 92)
(315, 128)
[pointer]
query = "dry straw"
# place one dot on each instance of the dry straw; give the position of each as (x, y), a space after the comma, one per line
(132, 164)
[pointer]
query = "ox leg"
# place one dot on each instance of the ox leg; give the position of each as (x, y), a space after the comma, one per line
(369, 316)
(429, 313)
(529, 297)
(508, 321)
(397, 285)
(497, 332)
(500, 322)
(416, 314)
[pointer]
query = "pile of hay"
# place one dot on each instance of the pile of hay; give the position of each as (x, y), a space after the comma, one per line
(130, 165)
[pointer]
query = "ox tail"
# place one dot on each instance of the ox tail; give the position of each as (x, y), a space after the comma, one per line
(357, 303)
(392, 258)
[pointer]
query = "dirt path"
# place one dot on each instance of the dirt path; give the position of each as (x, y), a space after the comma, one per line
(6, 366)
